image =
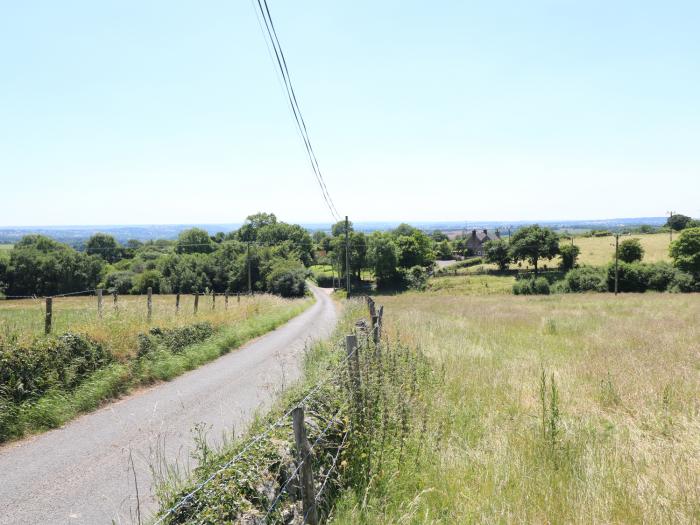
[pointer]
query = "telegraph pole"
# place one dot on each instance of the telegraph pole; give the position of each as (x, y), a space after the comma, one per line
(670, 226)
(347, 256)
(617, 239)
(250, 282)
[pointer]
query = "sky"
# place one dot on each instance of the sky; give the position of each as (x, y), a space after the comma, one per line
(160, 112)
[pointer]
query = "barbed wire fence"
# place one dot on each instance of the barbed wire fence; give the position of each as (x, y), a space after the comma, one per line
(302, 476)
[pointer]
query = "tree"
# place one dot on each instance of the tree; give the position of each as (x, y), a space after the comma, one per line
(685, 252)
(338, 228)
(104, 246)
(383, 256)
(248, 232)
(568, 253)
(444, 250)
(533, 243)
(678, 221)
(497, 252)
(405, 229)
(194, 240)
(438, 236)
(630, 250)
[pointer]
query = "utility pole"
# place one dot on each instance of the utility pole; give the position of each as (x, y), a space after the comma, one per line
(347, 256)
(250, 282)
(617, 239)
(509, 227)
(670, 227)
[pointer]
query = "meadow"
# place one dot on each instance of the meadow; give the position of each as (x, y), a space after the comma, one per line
(120, 325)
(599, 251)
(561, 409)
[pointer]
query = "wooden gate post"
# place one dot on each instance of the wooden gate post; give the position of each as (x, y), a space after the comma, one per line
(306, 474)
(114, 300)
(226, 300)
(177, 303)
(213, 300)
(196, 301)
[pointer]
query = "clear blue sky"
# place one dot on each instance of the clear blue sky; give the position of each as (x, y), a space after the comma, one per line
(124, 112)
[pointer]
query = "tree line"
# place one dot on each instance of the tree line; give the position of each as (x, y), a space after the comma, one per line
(273, 253)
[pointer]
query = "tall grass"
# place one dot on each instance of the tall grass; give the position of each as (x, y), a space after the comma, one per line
(119, 332)
(552, 409)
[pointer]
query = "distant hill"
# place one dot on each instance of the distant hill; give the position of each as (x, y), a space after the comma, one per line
(75, 235)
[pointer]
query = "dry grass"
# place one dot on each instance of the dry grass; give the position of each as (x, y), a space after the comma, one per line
(598, 251)
(627, 441)
(119, 327)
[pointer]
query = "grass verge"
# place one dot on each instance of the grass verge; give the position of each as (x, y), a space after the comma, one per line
(56, 407)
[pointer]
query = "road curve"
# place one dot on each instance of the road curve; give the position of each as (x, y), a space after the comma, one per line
(81, 473)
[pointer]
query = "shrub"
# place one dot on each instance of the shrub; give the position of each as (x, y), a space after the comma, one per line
(586, 279)
(287, 279)
(660, 276)
(630, 250)
(417, 278)
(569, 253)
(56, 362)
(174, 340)
(683, 283)
(685, 252)
(145, 280)
(537, 286)
(120, 282)
(632, 277)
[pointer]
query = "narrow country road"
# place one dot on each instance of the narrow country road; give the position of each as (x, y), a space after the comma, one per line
(82, 473)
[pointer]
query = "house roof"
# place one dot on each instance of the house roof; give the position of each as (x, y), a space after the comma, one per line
(484, 235)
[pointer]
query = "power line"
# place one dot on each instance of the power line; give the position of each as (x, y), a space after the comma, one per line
(281, 63)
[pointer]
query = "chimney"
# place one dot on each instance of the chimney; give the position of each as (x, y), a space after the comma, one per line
(485, 232)
(473, 233)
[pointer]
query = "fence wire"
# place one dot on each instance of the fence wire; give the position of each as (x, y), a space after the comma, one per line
(259, 438)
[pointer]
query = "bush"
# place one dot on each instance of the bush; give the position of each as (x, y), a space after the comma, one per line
(417, 278)
(120, 282)
(632, 277)
(568, 253)
(683, 283)
(287, 279)
(58, 362)
(630, 250)
(660, 276)
(586, 279)
(537, 286)
(145, 280)
(174, 340)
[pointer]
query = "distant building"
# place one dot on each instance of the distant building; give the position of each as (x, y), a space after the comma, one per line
(475, 243)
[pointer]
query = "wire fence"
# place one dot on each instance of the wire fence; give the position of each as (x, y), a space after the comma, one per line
(349, 363)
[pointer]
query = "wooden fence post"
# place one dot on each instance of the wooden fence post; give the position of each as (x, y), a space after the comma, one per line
(48, 315)
(99, 302)
(177, 303)
(114, 300)
(353, 361)
(238, 297)
(380, 322)
(226, 300)
(213, 300)
(149, 302)
(306, 473)
(196, 301)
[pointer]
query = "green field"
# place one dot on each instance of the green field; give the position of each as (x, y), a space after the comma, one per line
(617, 442)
